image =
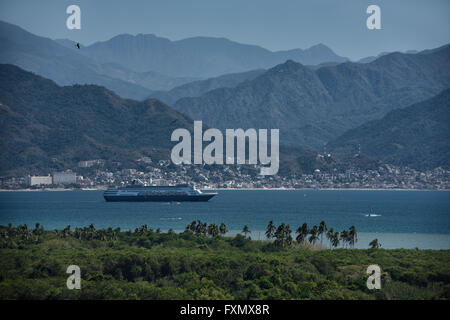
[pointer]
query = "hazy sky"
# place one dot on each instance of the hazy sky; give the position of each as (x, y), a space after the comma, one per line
(273, 24)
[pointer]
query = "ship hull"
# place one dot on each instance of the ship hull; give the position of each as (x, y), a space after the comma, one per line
(163, 198)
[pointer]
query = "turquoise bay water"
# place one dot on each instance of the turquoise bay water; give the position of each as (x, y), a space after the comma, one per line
(399, 219)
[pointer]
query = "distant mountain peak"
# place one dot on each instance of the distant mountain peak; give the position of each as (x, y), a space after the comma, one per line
(131, 38)
(319, 46)
(291, 62)
(288, 66)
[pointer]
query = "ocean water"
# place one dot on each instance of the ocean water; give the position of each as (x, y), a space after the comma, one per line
(399, 219)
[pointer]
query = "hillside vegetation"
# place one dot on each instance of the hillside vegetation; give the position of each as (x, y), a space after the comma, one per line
(147, 264)
(312, 107)
(45, 126)
(417, 136)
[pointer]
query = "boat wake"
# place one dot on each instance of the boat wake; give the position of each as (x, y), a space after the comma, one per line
(171, 219)
(372, 215)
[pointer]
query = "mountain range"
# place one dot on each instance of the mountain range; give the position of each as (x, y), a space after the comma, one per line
(417, 136)
(59, 63)
(44, 126)
(394, 106)
(197, 88)
(200, 87)
(312, 107)
(373, 58)
(200, 56)
(135, 66)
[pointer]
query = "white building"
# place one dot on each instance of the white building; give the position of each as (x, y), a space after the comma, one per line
(90, 163)
(39, 180)
(64, 178)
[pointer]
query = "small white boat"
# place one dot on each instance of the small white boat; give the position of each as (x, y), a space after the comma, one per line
(372, 215)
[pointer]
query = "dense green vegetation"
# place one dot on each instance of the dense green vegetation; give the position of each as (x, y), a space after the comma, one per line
(147, 264)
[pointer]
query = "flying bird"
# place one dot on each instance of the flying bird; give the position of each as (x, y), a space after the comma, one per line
(78, 45)
(174, 121)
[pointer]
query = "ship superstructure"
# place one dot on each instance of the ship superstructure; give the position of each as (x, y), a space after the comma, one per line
(177, 193)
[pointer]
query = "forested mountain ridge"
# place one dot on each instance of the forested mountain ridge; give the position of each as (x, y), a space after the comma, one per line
(312, 107)
(417, 136)
(47, 126)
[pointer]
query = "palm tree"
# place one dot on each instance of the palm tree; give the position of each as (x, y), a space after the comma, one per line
(344, 237)
(141, 230)
(215, 231)
(329, 235)
(201, 228)
(299, 237)
(66, 232)
(38, 230)
(101, 235)
(198, 227)
(212, 230)
(282, 235)
(321, 230)
(374, 244)
(352, 236)
(223, 229)
(246, 230)
(270, 230)
(313, 232)
(279, 233)
(192, 227)
(287, 232)
(204, 228)
(335, 239)
(302, 233)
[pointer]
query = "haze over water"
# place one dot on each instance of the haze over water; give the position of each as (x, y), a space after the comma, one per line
(399, 219)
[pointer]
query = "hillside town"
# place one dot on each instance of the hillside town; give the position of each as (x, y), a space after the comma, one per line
(93, 175)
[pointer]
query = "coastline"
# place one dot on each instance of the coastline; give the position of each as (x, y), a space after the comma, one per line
(234, 189)
(52, 189)
(325, 189)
